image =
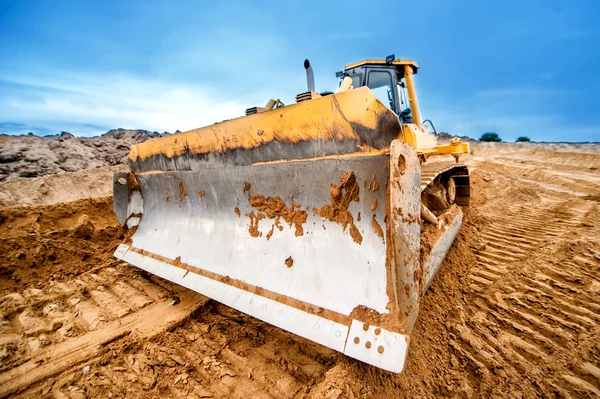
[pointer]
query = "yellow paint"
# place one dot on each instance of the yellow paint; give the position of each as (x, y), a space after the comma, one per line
(453, 149)
(324, 118)
(408, 136)
(424, 142)
(412, 94)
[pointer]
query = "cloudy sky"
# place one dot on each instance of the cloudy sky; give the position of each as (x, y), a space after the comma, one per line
(523, 67)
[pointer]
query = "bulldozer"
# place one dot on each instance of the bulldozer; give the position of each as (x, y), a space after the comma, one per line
(327, 218)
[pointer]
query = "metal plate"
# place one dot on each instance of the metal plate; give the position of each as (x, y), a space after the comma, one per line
(191, 216)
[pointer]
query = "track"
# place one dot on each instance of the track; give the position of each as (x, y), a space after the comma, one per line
(513, 311)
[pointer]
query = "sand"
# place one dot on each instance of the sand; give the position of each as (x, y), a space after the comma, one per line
(514, 311)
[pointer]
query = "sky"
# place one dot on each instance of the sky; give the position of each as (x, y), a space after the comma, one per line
(518, 68)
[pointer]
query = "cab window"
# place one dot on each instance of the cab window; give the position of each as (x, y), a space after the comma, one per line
(380, 83)
(356, 80)
(404, 103)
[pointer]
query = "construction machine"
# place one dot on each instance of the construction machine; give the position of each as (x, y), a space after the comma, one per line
(327, 218)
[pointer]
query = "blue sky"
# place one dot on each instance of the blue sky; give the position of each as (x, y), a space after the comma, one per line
(527, 67)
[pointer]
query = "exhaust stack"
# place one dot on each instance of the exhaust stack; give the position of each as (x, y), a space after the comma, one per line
(310, 77)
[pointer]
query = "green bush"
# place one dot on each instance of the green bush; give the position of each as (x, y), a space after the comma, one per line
(490, 136)
(523, 139)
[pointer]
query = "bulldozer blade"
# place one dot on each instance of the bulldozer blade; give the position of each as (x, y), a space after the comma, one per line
(127, 200)
(328, 249)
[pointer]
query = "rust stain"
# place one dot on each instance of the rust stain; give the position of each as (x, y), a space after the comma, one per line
(276, 208)
(358, 217)
(374, 204)
(237, 211)
(340, 197)
(254, 219)
(246, 186)
(182, 192)
(167, 196)
(377, 227)
(201, 194)
(289, 262)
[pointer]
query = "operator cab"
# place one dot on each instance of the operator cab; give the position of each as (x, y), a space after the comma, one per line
(391, 82)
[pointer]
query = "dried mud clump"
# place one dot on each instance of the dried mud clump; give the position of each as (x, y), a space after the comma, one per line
(372, 184)
(85, 227)
(340, 198)
(254, 219)
(374, 204)
(377, 227)
(430, 234)
(275, 208)
(289, 262)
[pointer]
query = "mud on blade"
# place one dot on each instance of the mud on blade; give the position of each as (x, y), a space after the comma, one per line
(317, 247)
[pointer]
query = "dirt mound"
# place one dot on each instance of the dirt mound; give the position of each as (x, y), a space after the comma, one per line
(60, 187)
(32, 156)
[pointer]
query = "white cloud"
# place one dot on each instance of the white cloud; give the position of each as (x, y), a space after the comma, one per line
(118, 101)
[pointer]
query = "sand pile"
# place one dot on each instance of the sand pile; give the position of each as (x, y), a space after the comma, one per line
(33, 156)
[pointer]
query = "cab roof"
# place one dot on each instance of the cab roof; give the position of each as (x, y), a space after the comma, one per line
(397, 62)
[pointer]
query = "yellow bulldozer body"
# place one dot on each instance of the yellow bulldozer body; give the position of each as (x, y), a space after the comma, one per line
(306, 216)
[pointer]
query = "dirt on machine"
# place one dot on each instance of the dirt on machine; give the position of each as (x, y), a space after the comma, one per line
(326, 218)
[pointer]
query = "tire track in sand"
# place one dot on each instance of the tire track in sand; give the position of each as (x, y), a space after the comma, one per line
(513, 237)
(536, 285)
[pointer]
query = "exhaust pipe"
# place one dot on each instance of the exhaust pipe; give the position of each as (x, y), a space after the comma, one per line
(310, 77)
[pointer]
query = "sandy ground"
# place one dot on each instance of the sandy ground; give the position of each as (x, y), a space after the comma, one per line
(514, 311)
